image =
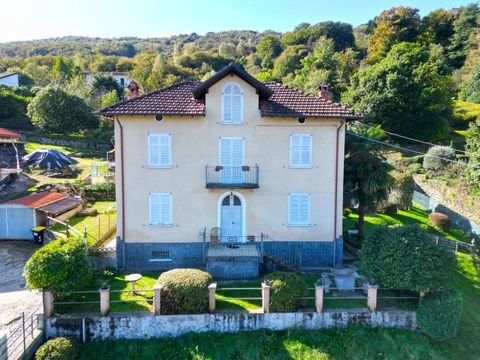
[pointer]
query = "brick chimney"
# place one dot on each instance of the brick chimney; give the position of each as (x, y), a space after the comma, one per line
(323, 92)
(133, 88)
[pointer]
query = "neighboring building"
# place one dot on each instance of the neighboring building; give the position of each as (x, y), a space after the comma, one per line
(9, 79)
(122, 77)
(18, 217)
(11, 149)
(219, 173)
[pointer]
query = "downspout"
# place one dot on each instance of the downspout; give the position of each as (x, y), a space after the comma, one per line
(122, 182)
(335, 196)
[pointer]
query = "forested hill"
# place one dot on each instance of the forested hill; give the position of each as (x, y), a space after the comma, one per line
(400, 70)
(126, 46)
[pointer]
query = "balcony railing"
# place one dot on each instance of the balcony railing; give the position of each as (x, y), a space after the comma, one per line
(231, 177)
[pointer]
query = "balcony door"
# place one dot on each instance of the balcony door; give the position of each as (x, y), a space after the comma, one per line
(232, 153)
(231, 219)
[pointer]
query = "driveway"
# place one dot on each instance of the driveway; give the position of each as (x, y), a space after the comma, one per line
(14, 298)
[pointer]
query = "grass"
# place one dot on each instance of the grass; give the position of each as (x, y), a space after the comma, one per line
(468, 109)
(96, 225)
(415, 216)
(350, 343)
(120, 302)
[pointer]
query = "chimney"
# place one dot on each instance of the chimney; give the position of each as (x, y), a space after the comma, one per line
(133, 88)
(323, 92)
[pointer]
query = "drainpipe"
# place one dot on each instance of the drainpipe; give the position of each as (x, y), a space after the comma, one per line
(336, 195)
(122, 182)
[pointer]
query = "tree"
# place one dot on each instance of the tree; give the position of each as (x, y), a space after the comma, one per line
(54, 110)
(465, 26)
(393, 26)
(406, 257)
(367, 173)
(268, 49)
(59, 266)
(104, 64)
(405, 93)
(288, 62)
(472, 149)
(438, 26)
(63, 69)
(109, 99)
(471, 88)
(105, 84)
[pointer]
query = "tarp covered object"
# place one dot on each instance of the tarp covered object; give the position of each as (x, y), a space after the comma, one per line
(48, 159)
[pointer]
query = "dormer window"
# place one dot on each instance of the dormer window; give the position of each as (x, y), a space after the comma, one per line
(232, 104)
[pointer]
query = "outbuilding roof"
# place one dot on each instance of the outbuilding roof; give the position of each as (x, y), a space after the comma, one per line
(35, 201)
(61, 206)
(187, 98)
(8, 134)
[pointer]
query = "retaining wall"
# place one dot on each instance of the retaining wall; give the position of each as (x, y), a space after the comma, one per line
(140, 326)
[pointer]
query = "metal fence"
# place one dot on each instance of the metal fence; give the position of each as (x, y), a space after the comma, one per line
(21, 341)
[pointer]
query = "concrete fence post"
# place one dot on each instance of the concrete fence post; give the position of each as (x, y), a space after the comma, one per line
(319, 298)
(47, 304)
(372, 297)
(212, 288)
(157, 299)
(104, 301)
(265, 298)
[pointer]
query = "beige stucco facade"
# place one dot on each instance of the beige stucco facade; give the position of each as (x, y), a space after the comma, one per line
(195, 144)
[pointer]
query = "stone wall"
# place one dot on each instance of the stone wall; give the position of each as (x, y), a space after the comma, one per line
(78, 144)
(140, 326)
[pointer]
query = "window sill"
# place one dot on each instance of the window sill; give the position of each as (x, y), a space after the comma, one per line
(223, 123)
(160, 260)
(299, 225)
(159, 167)
(160, 225)
(301, 167)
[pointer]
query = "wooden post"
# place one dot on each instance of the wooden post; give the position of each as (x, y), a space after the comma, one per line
(47, 304)
(104, 301)
(456, 247)
(66, 227)
(265, 298)
(319, 298)
(157, 296)
(212, 288)
(372, 297)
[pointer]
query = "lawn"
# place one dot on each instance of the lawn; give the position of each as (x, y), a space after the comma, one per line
(468, 109)
(351, 343)
(415, 216)
(119, 302)
(96, 225)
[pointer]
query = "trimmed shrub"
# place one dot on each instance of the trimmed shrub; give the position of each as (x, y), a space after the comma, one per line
(406, 257)
(286, 289)
(402, 193)
(439, 313)
(184, 291)
(57, 349)
(431, 160)
(440, 221)
(60, 266)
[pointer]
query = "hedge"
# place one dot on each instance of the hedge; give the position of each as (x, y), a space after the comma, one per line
(286, 289)
(184, 291)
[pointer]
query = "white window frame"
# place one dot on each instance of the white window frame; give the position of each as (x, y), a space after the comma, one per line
(169, 221)
(160, 166)
(241, 104)
(306, 222)
(300, 166)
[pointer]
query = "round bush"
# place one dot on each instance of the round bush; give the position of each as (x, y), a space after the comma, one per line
(58, 348)
(432, 160)
(390, 210)
(286, 289)
(440, 221)
(439, 313)
(184, 291)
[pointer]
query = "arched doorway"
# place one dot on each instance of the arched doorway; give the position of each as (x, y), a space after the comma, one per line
(232, 217)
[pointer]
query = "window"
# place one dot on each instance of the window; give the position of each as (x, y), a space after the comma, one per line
(232, 104)
(161, 209)
(299, 209)
(301, 150)
(159, 150)
(160, 255)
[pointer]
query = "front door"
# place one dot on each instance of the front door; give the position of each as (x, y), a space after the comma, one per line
(231, 219)
(231, 159)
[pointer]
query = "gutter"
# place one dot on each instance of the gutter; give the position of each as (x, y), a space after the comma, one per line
(122, 182)
(335, 216)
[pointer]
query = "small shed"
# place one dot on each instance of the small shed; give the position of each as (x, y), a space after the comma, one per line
(19, 216)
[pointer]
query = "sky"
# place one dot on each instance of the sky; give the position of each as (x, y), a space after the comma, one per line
(40, 19)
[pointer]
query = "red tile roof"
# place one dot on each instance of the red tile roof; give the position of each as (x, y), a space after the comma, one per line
(276, 100)
(173, 100)
(7, 134)
(37, 200)
(288, 102)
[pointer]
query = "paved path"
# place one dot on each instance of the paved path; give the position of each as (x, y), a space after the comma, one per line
(14, 298)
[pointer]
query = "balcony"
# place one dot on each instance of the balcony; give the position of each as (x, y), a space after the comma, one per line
(231, 177)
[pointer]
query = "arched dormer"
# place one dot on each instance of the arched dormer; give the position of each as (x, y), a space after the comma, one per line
(232, 104)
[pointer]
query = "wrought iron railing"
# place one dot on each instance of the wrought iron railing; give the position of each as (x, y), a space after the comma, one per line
(231, 177)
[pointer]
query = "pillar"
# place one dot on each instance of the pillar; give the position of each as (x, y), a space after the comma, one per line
(265, 298)
(104, 301)
(319, 298)
(212, 288)
(372, 297)
(157, 295)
